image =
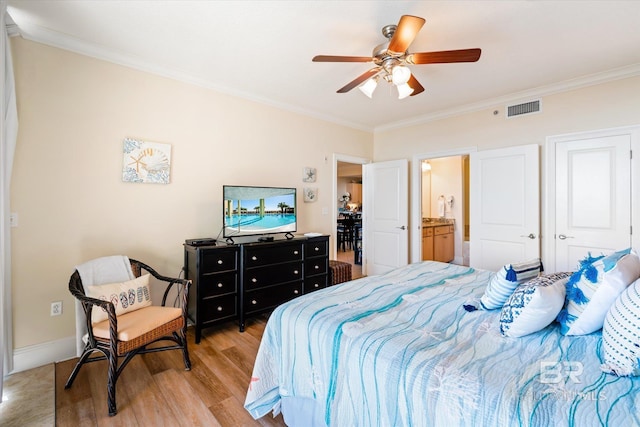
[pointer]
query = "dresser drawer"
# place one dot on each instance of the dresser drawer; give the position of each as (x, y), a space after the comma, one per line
(218, 260)
(315, 266)
(263, 299)
(217, 284)
(318, 248)
(427, 231)
(315, 283)
(212, 309)
(258, 256)
(271, 274)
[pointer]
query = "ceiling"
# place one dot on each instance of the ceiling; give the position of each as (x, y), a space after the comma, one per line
(262, 50)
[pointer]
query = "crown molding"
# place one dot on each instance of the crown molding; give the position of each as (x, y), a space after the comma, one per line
(55, 39)
(52, 38)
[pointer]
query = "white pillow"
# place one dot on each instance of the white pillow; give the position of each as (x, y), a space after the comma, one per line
(620, 339)
(504, 282)
(593, 289)
(126, 296)
(533, 305)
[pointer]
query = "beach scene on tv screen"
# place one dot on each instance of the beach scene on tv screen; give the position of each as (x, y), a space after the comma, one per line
(251, 210)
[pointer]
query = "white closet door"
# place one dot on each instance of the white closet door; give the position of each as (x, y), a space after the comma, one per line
(593, 198)
(504, 206)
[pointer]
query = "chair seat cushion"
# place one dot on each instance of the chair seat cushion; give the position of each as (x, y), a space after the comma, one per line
(137, 323)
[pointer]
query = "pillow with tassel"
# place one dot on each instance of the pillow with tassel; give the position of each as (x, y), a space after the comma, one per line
(592, 290)
(503, 282)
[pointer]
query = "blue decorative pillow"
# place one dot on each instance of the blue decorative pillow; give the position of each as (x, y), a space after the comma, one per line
(504, 282)
(533, 305)
(620, 339)
(593, 289)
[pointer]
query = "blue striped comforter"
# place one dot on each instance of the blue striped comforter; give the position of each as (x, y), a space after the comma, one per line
(399, 350)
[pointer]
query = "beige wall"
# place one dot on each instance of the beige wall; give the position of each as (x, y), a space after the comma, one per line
(67, 189)
(75, 111)
(607, 105)
(603, 106)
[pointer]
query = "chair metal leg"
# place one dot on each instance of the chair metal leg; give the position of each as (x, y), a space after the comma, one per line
(181, 340)
(185, 356)
(76, 369)
(112, 378)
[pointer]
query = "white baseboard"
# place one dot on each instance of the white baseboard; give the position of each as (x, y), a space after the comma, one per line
(38, 355)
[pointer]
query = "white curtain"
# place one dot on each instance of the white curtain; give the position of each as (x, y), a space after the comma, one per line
(8, 135)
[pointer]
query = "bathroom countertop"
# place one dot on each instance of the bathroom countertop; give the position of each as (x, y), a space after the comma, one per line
(435, 222)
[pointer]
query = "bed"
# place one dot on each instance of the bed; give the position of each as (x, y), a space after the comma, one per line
(399, 349)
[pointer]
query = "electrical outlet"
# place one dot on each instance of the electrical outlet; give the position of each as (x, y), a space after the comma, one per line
(13, 219)
(56, 308)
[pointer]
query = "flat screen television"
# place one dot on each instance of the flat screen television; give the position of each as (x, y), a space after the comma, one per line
(249, 211)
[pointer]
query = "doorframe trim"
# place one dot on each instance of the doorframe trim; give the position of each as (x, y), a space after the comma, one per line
(415, 185)
(549, 177)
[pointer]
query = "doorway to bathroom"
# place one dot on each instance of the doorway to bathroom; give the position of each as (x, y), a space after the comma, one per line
(444, 209)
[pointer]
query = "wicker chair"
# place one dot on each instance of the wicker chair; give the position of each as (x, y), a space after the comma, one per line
(113, 347)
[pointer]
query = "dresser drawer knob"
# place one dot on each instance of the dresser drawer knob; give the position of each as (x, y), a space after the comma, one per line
(254, 302)
(296, 292)
(254, 280)
(295, 271)
(315, 285)
(220, 285)
(296, 252)
(219, 308)
(219, 262)
(316, 249)
(254, 258)
(316, 267)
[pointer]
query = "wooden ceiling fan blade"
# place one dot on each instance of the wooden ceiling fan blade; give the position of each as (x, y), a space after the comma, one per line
(445, 56)
(332, 58)
(415, 85)
(406, 32)
(359, 80)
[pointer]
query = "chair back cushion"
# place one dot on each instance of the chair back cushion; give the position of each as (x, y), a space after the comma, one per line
(126, 296)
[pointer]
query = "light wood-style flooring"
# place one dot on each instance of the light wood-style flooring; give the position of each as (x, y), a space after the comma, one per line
(155, 390)
(347, 256)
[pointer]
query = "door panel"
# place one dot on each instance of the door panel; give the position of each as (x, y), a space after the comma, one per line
(504, 206)
(593, 203)
(385, 216)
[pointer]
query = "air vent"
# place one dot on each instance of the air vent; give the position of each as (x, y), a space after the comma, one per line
(524, 108)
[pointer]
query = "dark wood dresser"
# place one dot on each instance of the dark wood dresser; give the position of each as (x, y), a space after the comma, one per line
(242, 280)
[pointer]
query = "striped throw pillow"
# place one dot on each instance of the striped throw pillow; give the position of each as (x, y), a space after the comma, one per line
(506, 280)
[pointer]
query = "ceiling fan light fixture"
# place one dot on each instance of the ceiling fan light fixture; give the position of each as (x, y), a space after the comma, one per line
(404, 90)
(400, 75)
(368, 87)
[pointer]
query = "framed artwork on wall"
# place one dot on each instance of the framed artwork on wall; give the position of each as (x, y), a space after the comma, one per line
(309, 174)
(310, 194)
(146, 162)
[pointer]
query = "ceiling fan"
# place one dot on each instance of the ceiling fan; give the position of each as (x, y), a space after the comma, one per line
(392, 57)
